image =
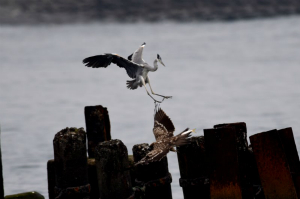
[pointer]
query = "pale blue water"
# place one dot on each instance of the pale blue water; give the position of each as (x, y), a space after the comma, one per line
(216, 72)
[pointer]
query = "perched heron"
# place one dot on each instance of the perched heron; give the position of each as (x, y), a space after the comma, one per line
(135, 66)
(165, 140)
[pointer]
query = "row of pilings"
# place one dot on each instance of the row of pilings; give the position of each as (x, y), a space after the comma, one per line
(219, 164)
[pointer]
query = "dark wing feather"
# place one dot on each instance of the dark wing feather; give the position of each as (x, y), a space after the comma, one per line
(98, 61)
(130, 57)
(162, 120)
(102, 61)
(130, 67)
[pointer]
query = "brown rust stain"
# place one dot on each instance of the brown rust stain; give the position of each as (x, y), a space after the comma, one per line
(272, 166)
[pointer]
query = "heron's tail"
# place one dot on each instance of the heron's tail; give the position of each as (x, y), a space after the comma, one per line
(183, 137)
(132, 84)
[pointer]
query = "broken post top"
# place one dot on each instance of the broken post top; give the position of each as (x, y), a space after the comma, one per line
(68, 134)
(97, 127)
(108, 148)
(140, 151)
(241, 133)
(97, 121)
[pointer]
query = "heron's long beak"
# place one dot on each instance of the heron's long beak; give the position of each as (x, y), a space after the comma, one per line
(161, 62)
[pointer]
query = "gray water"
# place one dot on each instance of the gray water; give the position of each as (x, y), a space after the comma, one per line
(243, 71)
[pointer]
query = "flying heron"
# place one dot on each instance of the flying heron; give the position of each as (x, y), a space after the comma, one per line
(165, 140)
(135, 66)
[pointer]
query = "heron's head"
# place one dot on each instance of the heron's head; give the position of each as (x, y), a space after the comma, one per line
(159, 59)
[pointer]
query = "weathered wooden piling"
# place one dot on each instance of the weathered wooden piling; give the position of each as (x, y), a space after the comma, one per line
(113, 170)
(132, 170)
(71, 178)
(258, 191)
(222, 153)
(92, 178)
(193, 169)
(51, 178)
(273, 165)
(155, 177)
(244, 165)
(287, 139)
(93, 181)
(97, 126)
(1, 172)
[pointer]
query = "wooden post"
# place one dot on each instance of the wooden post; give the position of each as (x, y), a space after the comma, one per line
(193, 169)
(155, 176)
(273, 166)
(92, 176)
(97, 127)
(112, 170)
(51, 178)
(222, 154)
(93, 180)
(132, 170)
(258, 191)
(244, 164)
(1, 172)
(71, 164)
(287, 139)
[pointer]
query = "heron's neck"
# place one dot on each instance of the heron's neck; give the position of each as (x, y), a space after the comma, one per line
(155, 65)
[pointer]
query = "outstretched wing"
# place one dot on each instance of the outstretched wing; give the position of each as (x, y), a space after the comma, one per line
(163, 126)
(137, 56)
(102, 61)
(182, 138)
(160, 150)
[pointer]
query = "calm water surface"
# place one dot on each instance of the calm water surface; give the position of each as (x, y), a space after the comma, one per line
(216, 72)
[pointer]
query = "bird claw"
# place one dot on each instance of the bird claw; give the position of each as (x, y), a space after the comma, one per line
(156, 101)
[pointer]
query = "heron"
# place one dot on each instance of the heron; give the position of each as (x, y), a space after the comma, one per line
(135, 66)
(165, 140)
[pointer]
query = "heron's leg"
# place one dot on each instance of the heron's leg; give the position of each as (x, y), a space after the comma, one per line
(143, 81)
(155, 93)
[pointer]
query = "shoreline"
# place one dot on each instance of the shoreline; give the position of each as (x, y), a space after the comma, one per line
(16, 12)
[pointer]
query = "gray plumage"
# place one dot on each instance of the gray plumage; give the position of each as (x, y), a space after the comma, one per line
(165, 140)
(135, 66)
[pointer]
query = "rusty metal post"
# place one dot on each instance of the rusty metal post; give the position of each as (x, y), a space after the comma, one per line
(51, 178)
(155, 177)
(222, 153)
(97, 127)
(193, 169)
(273, 165)
(244, 158)
(287, 139)
(112, 170)
(70, 159)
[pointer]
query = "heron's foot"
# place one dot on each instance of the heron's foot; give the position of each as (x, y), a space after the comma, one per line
(156, 101)
(167, 97)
